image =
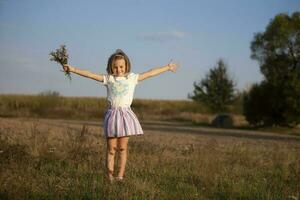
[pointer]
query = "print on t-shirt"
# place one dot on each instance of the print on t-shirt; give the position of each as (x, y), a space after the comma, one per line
(120, 88)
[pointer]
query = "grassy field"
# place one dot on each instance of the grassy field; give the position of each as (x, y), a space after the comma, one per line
(59, 159)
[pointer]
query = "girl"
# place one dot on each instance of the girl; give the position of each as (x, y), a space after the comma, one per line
(119, 121)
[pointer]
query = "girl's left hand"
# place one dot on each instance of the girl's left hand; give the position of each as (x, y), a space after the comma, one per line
(172, 66)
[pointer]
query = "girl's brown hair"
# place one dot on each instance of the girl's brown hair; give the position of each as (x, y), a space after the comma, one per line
(119, 54)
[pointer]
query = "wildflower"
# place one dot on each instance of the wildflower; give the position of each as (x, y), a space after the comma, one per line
(52, 149)
(61, 56)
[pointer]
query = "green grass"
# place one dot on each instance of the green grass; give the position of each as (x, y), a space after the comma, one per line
(70, 164)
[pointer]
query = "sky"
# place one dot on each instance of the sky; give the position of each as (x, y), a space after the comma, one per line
(194, 33)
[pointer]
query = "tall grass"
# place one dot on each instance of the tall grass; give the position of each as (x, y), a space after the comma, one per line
(50, 104)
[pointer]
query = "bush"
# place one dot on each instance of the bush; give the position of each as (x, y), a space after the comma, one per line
(223, 121)
(265, 105)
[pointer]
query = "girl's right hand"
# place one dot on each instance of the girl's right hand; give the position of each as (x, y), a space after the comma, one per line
(67, 68)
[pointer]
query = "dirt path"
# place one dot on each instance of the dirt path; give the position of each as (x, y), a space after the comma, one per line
(181, 128)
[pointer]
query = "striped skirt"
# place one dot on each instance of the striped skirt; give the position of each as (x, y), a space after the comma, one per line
(120, 122)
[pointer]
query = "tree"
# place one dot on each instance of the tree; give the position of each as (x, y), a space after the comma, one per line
(278, 52)
(216, 90)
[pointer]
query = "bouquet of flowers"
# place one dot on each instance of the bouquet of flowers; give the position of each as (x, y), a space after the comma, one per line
(61, 56)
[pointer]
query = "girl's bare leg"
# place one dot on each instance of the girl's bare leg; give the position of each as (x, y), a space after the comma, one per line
(110, 159)
(122, 146)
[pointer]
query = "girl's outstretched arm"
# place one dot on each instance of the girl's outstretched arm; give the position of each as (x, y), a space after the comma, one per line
(158, 70)
(88, 74)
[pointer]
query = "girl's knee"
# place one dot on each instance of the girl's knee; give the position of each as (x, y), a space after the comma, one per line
(112, 150)
(122, 151)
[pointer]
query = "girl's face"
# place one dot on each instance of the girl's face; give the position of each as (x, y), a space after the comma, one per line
(119, 67)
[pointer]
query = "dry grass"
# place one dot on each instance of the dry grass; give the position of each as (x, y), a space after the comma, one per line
(57, 159)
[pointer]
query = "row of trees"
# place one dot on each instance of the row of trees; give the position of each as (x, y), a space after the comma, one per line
(274, 101)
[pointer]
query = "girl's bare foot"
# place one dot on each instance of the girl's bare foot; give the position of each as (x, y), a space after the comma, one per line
(119, 178)
(110, 177)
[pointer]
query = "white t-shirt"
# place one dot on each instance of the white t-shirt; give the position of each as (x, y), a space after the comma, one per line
(120, 90)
